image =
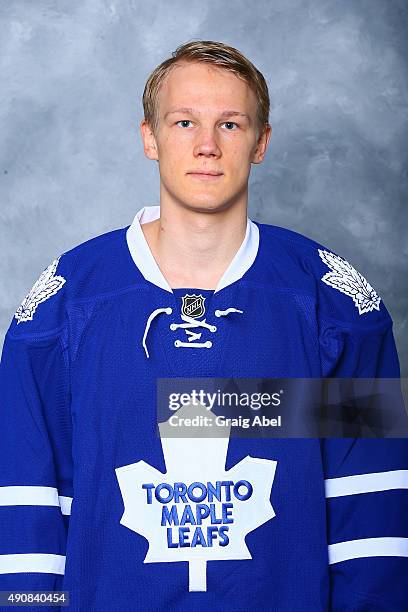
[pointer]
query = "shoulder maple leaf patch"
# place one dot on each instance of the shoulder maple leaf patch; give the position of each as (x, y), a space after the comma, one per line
(349, 281)
(47, 285)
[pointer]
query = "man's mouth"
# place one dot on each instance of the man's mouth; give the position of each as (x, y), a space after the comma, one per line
(211, 175)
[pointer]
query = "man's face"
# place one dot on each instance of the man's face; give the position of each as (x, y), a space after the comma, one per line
(195, 134)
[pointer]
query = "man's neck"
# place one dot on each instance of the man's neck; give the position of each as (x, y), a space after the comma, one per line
(194, 249)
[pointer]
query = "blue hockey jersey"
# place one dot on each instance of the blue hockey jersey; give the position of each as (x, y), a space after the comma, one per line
(94, 502)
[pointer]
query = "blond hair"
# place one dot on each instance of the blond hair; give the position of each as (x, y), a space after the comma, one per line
(209, 52)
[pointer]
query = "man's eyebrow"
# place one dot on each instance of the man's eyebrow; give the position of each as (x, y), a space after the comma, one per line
(225, 113)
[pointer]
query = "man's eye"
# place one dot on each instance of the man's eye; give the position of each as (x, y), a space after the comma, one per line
(183, 121)
(230, 123)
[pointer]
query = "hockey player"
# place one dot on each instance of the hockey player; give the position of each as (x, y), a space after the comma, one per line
(92, 501)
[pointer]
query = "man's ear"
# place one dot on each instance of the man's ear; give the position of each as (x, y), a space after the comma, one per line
(262, 144)
(149, 141)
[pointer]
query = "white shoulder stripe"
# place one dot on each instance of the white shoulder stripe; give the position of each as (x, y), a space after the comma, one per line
(369, 547)
(366, 483)
(32, 562)
(34, 496)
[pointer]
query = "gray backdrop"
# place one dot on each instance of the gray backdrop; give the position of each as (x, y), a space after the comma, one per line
(72, 164)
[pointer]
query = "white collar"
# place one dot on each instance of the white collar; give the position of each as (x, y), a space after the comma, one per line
(144, 260)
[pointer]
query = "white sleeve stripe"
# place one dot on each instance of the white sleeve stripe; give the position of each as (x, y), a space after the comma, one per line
(65, 503)
(32, 562)
(366, 483)
(34, 496)
(369, 547)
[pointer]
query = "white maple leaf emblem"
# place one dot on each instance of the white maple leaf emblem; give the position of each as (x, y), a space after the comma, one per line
(349, 281)
(47, 285)
(196, 511)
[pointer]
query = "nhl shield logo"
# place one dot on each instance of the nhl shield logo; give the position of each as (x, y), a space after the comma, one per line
(193, 305)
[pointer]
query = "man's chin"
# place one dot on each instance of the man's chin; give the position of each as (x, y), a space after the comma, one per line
(205, 206)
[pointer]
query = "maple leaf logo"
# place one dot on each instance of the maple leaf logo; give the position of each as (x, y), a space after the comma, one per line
(196, 511)
(349, 281)
(47, 285)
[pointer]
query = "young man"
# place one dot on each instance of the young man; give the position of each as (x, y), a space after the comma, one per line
(92, 501)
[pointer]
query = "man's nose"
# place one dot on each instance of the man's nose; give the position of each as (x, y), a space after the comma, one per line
(206, 143)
